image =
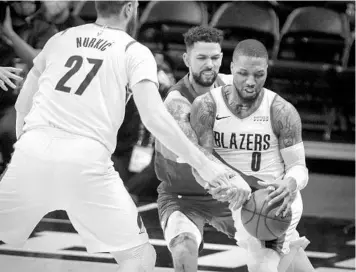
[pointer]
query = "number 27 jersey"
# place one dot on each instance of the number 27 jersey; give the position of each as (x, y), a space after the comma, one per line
(86, 73)
(248, 144)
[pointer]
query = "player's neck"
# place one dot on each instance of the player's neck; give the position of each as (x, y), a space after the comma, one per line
(111, 22)
(198, 88)
(240, 106)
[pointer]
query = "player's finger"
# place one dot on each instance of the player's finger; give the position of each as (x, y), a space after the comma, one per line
(265, 184)
(218, 190)
(287, 210)
(219, 194)
(239, 201)
(274, 193)
(13, 69)
(283, 206)
(14, 76)
(233, 196)
(9, 83)
(228, 195)
(3, 86)
(277, 198)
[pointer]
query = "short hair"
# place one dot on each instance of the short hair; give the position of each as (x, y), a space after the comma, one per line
(202, 34)
(250, 48)
(109, 8)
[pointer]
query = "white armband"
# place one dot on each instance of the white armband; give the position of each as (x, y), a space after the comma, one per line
(295, 167)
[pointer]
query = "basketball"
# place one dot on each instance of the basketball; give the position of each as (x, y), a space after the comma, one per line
(260, 220)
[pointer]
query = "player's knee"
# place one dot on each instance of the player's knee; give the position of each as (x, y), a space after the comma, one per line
(263, 260)
(184, 246)
(142, 258)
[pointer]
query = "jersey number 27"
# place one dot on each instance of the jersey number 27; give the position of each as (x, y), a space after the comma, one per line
(77, 62)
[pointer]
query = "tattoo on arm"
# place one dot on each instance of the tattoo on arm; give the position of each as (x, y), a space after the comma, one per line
(202, 120)
(180, 109)
(286, 123)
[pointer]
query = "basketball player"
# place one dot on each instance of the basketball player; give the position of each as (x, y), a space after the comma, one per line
(184, 206)
(259, 133)
(6, 75)
(68, 114)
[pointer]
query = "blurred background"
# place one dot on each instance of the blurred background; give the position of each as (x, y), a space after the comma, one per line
(311, 47)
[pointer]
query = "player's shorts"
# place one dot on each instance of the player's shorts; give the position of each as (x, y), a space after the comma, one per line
(283, 244)
(179, 214)
(54, 170)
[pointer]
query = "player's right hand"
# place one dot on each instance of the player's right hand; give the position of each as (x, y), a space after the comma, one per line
(236, 193)
(215, 174)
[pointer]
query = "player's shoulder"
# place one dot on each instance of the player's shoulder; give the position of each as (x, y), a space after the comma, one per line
(226, 78)
(205, 100)
(279, 103)
(281, 109)
(134, 47)
(176, 98)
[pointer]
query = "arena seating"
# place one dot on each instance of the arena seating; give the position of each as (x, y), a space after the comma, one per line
(312, 52)
(242, 20)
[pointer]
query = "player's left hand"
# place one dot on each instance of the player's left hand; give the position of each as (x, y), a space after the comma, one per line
(6, 75)
(236, 193)
(284, 189)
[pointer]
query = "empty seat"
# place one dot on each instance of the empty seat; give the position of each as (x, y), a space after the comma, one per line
(163, 23)
(314, 35)
(245, 20)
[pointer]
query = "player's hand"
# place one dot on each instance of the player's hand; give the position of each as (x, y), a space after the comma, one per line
(284, 189)
(6, 74)
(237, 193)
(215, 174)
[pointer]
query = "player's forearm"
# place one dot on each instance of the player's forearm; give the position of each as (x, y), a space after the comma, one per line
(26, 52)
(167, 131)
(190, 133)
(210, 156)
(295, 167)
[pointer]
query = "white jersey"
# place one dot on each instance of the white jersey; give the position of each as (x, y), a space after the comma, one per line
(248, 144)
(86, 72)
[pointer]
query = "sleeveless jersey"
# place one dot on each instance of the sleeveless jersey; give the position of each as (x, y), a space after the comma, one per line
(86, 73)
(248, 144)
(177, 177)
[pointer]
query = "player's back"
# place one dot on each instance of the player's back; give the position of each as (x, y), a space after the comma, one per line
(82, 88)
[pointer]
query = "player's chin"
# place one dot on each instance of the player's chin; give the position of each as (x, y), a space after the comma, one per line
(208, 82)
(249, 94)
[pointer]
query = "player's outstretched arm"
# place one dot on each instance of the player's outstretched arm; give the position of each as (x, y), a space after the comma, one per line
(157, 119)
(180, 108)
(202, 121)
(287, 126)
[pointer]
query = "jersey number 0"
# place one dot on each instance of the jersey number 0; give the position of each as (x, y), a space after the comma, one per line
(256, 161)
(77, 62)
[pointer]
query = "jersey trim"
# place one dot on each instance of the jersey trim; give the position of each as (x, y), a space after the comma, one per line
(129, 44)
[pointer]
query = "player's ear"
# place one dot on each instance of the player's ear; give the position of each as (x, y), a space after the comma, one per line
(128, 9)
(232, 68)
(186, 59)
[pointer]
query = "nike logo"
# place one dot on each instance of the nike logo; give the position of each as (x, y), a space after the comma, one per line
(219, 118)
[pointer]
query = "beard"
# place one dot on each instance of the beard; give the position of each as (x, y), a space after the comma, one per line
(198, 78)
(248, 97)
(132, 26)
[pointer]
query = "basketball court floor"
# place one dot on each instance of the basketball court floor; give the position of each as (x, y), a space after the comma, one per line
(329, 212)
